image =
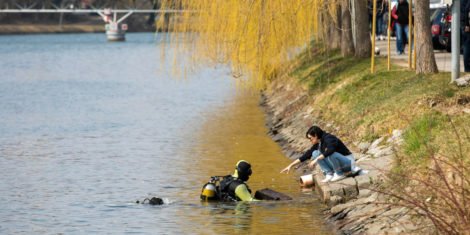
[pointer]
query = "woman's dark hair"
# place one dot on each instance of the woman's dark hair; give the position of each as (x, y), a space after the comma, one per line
(314, 131)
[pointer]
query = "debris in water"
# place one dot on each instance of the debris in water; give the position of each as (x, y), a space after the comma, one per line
(152, 201)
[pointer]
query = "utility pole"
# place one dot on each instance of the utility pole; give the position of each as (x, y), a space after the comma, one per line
(455, 37)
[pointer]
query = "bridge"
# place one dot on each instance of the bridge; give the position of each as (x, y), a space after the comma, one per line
(109, 10)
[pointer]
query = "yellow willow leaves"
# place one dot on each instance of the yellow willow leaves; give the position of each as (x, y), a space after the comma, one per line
(254, 37)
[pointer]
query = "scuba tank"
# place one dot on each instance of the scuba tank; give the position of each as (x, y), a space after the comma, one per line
(209, 190)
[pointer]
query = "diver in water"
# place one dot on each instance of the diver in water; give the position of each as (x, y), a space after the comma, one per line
(232, 187)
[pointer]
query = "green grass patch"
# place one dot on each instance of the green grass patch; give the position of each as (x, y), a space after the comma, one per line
(366, 106)
(421, 133)
(363, 107)
(369, 137)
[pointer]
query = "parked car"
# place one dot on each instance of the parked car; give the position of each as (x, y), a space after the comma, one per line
(439, 41)
(441, 28)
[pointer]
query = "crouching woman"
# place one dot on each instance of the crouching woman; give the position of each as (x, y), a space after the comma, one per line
(333, 157)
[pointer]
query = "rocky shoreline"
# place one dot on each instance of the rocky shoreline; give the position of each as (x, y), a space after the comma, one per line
(355, 206)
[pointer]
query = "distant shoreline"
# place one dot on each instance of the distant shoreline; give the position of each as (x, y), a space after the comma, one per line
(7, 29)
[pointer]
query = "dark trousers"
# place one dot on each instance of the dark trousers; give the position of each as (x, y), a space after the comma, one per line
(466, 49)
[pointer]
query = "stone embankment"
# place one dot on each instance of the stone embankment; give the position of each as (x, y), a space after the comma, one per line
(355, 206)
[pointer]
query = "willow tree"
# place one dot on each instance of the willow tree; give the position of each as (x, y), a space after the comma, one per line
(255, 37)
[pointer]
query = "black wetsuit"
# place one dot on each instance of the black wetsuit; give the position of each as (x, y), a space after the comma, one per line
(227, 188)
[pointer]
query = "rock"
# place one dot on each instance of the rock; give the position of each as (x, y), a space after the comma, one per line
(363, 182)
(395, 212)
(463, 81)
(382, 164)
(289, 153)
(335, 200)
(361, 157)
(340, 208)
(381, 152)
(363, 192)
(363, 147)
(466, 110)
(396, 137)
(377, 228)
(376, 143)
(278, 138)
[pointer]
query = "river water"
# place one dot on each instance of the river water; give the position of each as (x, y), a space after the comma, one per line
(88, 127)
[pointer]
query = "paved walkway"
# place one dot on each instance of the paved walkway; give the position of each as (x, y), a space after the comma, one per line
(443, 58)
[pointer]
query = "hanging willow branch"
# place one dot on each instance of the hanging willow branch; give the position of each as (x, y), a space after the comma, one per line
(254, 37)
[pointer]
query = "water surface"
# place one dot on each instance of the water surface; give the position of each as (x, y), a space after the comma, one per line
(87, 127)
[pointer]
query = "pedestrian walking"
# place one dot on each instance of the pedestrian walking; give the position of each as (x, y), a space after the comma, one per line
(380, 11)
(401, 14)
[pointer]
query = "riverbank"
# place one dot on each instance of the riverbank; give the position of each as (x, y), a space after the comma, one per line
(50, 28)
(77, 24)
(370, 113)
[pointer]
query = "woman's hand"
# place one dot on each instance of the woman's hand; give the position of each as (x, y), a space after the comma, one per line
(312, 163)
(286, 170)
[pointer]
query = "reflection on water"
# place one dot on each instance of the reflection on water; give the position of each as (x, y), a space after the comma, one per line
(234, 132)
(88, 127)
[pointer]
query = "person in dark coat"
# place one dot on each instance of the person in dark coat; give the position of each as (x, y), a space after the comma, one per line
(382, 7)
(401, 15)
(465, 25)
(333, 157)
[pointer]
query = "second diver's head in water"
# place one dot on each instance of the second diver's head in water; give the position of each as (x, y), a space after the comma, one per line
(243, 170)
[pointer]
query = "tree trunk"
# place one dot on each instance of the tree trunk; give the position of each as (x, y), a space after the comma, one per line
(326, 29)
(361, 22)
(336, 28)
(425, 60)
(347, 44)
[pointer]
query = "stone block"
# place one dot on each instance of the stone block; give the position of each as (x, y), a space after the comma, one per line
(381, 151)
(363, 147)
(339, 208)
(463, 81)
(335, 192)
(335, 200)
(376, 143)
(345, 188)
(363, 181)
(364, 192)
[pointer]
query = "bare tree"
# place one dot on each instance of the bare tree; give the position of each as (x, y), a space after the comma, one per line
(347, 45)
(425, 60)
(361, 23)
